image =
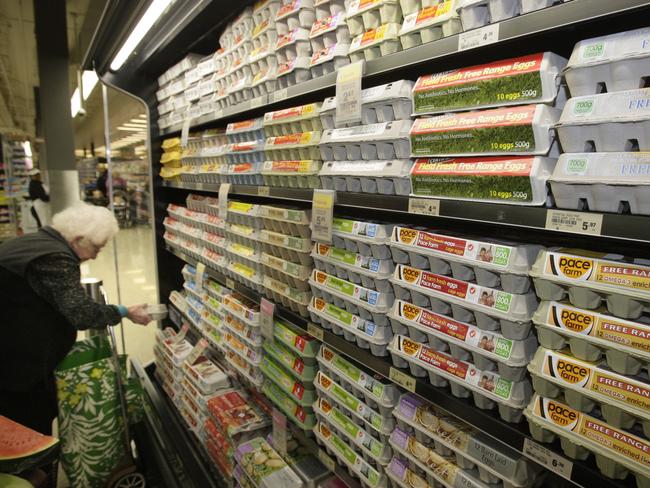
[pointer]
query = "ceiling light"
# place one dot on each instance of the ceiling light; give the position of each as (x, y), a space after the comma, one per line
(143, 26)
(88, 81)
(75, 103)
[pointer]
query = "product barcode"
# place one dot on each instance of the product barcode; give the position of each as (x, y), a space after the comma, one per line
(564, 221)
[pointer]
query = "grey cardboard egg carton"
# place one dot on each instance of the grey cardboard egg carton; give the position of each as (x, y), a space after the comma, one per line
(383, 140)
(329, 59)
(213, 225)
(236, 252)
(294, 72)
(245, 214)
(362, 237)
(329, 31)
(478, 13)
(253, 282)
(328, 8)
(362, 17)
(292, 147)
(417, 29)
(265, 81)
(292, 174)
(294, 274)
(215, 174)
(290, 297)
(214, 243)
(246, 152)
(285, 219)
(287, 254)
(295, 44)
(304, 118)
(249, 240)
(293, 243)
(266, 10)
(488, 351)
(382, 42)
(382, 177)
(295, 15)
(245, 131)
(244, 174)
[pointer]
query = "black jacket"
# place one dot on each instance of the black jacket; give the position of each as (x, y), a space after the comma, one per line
(37, 191)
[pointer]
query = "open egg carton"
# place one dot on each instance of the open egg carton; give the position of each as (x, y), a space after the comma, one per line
(246, 131)
(478, 13)
(383, 140)
(389, 177)
(430, 24)
(293, 147)
(487, 388)
(617, 452)
(304, 118)
(375, 43)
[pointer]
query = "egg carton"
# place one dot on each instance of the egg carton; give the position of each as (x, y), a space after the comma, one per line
(245, 131)
(363, 16)
(493, 264)
(294, 44)
(581, 434)
(293, 72)
(241, 91)
(264, 35)
(265, 10)
(301, 394)
(302, 417)
(265, 81)
(329, 59)
(375, 43)
(495, 462)
(622, 400)
(296, 14)
(293, 298)
(303, 369)
(299, 244)
(246, 152)
(522, 130)
(401, 475)
(287, 254)
(304, 118)
(295, 275)
(384, 140)
(487, 388)
(362, 237)
(214, 243)
(527, 79)
(244, 214)
(489, 308)
(478, 13)
(377, 424)
(243, 174)
(376, 391)
(328, 8)
(329, 31)
(252, 355)
(430, 24)
(207, 88)
(244, 369)
(365, 333)
(250, 256)
(245, 275)
(206, 378)
(299, 146)
(383, 103)
(216, 290)
(243, 308)
(261, 60)
(192, 92)
(171, 158)
(589, 280)
(295, 339)
(616, 62)
(243, 235)
(292, 174)
(286, 220)
(367, 271)
(215, 174)
(383, 177)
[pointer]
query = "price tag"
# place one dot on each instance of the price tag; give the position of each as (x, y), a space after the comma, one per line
(200, 270)
(257, 102)
(315, 331)
(279, 432)
(478, 37)
(575, 222)
(348, 93)
(263, 191)
(267, 309)
(402, 379)
(230, 283)
(322, 213)
(197, 351)
(280, 95)
(424, 206)
(223, 200)
(327, 461)
(185, 131)
(547, 458)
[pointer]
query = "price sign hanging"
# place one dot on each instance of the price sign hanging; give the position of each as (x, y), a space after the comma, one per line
(223, 200)
(348, 93)
(478, 37)
(322, 215)
(185, 131)
(267, 309)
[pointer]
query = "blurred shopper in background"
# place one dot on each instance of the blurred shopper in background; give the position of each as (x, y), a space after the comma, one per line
(39, 197)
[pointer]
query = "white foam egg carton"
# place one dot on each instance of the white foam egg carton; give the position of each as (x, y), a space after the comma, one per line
(290, 297)
(364, 15)
(383, 177)
(487, 388)
(329, 59)
(294, 44)
(490, 309)
(304, 118)
(214, 242)
(486, 350)
(430, 24)
(589, 279)
(328, 8)
(375, 43)
(295, 14)
(245, 131)
(490, 263)
(294, 274)
(592, 335)
(246, 152)
(293, 72)
(524, 130)
(603, 182)
(616, 62)
(383, 140)
(265, 80)
(618, 121)
(329, 31)
(265, 10)
(292, 147)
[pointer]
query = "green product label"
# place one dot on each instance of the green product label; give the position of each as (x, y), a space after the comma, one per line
(294, 216)
(343, 286)
(576, 166)
(216, 287)
(593, 50)
(347, 399)
(343, 449)
(501, 256)
(377, 389)
(503, 388)
(505, 188)
(339, 314)
(503, 348)
(278, 375)
(502, 301)
(373, 477)
(509, 139)
(295, 243)
(292, 268)
(347, 369)
(375, 421)
(343, 256)
(284, 334)
(515, 88)
(344, 422)
(583, 107)
(343, 225)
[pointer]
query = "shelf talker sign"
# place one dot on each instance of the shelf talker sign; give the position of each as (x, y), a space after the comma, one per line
(322, 215)
(267, 310)
(348, 93)
(223, 200)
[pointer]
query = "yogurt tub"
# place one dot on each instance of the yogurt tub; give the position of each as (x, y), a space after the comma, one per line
(303, 395)
(616, 62)
(245, 131)
(581, 434)
(430, 24)
(242, 308)
(299, 146)
(295, 275)
(490, 308)
(607, 122)
(365, 333)
(622, 400)
(289, 220)
(304, 118)
(375, 43)
(604, 182)
(487, 388)
(493, 264)
(294, 44)
(383, 177)
(329, 59)
(295, 14)
(590, 279)
(369, 476)
(283, 293)
(363, 15)
(590, 335)
(519, 130)
(303, 369)
(384, 140)
(303, 417)
(293, 72)
(329, 31)
(488, 351)
(527, 79)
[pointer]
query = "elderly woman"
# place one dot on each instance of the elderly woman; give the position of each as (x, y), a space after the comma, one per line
(44, 305)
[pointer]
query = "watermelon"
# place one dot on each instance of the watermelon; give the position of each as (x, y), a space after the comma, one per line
(21, 447)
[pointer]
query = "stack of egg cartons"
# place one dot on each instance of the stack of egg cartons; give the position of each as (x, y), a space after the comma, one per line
(289, 367)
(262, 59)
(171, 95)
(207, 84)
(354, 411)
(350, 284)
(293, 51)
(222, 61)
(478, 13)
(240, 77)
(329, 37)
(191, 164)
(471, 330)
(598, 131)
(372, 157)
(245, 152)
(202, 213)
(212, 157)
(594, 395)
(285, 242)
(170, 350)
(487, 134)
(291, 148)
(181, 231)
(374, 26)
(435, 448)
(171, 159)
(427, 21)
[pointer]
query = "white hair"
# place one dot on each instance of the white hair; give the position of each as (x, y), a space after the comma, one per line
(95, 224)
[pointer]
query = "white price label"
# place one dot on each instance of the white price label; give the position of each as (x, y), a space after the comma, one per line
(547, 458)
(197, 351)
(257, 102)
(348, 93)
(263, 191)
(315, 331)
(575, 222)
(402, 379)
(185, 131)
(280, 95)
(223, 200)
(478, 37)
(327, 461)
(322, 214)
(424, 206)
(267, 309)
(279, 432)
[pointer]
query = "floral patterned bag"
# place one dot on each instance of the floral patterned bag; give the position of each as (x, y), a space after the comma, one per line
(90, 419)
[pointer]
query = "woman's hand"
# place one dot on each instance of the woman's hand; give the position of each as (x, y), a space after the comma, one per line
(138, 314)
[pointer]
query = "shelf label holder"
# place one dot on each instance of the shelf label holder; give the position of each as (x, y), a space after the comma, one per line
(279, 432)
(223, 200)
(402, 379)
(322, 215)
(348, 93)
(424, 206)
(478, 37)
(574, 222)
(547, 458)
(267, 309)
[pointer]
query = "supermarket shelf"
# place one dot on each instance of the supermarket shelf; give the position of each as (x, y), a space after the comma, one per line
(524, 26)
(584, 474)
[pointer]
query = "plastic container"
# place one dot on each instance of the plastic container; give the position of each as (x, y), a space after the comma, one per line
(303, 369)
(245, 131)
(264, 466)
(603, 182)
(430, 24)
(329, 59)
(293, 72)
(302, 417)
(523, 80)
(501, 131)
(363, 15)
(375, 43)
(238, 417)
(304, 118)
(382, 177)
(293, 298)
